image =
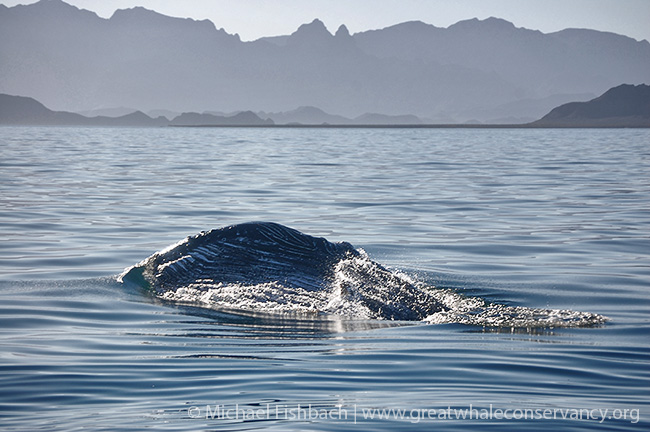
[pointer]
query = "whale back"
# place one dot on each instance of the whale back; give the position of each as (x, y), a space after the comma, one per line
(250, 253)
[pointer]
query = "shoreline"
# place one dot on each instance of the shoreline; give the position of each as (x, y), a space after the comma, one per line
(350, 126)
(419, 126)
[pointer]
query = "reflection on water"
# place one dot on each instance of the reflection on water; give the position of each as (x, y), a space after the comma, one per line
(289, 325)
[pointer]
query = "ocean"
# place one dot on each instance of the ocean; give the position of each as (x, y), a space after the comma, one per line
(553, 221)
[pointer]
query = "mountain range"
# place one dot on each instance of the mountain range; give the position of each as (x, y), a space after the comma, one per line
(476, 70)
(623, 106)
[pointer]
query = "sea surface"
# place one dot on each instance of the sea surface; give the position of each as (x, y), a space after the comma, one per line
(539, 218)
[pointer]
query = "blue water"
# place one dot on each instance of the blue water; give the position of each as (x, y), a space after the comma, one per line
(553, 219)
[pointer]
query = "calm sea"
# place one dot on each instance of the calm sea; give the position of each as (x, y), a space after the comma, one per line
(538, 218)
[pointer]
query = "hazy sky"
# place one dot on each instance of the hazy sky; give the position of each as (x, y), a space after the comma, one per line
(256, 18)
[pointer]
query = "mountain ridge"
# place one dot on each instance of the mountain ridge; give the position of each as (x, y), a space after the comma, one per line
(622, 106)
(73, 60)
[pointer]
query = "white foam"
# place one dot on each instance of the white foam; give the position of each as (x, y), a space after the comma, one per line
(361, 289)
(475, 311)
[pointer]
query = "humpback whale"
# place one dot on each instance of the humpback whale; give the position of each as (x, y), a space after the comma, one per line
(268, 267)
(258, 253)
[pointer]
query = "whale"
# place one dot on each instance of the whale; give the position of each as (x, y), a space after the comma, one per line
(267, 267)
(253, 254)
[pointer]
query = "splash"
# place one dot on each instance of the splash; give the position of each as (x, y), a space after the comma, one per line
(269, 268)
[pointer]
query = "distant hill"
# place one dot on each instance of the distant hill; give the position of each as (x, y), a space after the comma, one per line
(244, 118)
(19, 110)
(623, 106)
(73, 60)
(110, 112)
(307, 115)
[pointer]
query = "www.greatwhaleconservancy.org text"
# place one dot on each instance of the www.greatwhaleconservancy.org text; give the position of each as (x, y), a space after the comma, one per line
(354, 413)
